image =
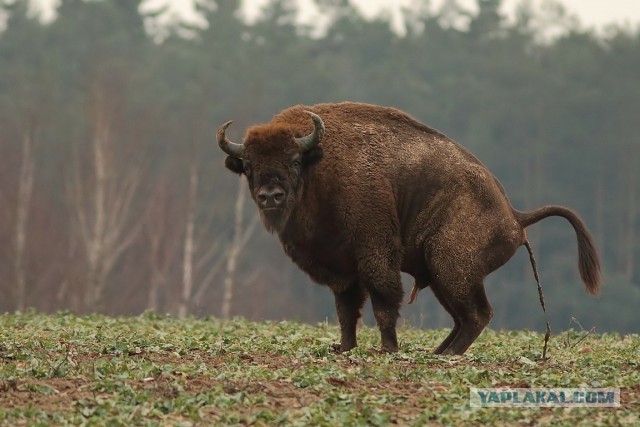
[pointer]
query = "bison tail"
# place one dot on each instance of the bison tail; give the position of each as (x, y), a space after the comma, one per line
(588, 260)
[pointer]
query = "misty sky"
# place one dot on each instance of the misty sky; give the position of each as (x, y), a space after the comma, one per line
(592, 13)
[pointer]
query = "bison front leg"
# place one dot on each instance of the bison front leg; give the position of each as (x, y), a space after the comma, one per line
(349, 306)
(386, 309)
(385, 289)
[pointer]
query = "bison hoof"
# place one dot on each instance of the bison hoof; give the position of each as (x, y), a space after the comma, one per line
(338, 348)
(448, 352)
(388, 350)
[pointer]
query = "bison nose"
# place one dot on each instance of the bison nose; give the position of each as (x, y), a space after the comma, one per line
(270, 196)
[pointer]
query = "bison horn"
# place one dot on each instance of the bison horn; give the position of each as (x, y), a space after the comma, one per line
(231, 148)
(308, 142)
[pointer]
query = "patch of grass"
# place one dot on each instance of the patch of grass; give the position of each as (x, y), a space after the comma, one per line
(156, 370)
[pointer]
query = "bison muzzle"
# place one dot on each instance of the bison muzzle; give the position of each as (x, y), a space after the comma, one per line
(358, 193)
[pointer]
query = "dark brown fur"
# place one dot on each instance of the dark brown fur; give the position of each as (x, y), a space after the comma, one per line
(385, 193)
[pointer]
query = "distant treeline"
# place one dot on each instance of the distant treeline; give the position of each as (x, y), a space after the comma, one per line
(114, 197)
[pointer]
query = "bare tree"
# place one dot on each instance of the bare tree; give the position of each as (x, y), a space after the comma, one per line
(631, 178)
(102, 198)
(163, 241)
(25, 191)
(202, 261)
(189, 241)
(240, 239)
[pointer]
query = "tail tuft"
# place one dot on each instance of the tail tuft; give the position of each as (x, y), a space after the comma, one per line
(588, 259)
(589, 263)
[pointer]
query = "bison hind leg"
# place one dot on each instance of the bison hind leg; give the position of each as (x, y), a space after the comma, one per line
(456, 319)
(468, 305)
(458, 265)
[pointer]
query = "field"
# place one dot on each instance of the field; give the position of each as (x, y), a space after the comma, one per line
(155, 370)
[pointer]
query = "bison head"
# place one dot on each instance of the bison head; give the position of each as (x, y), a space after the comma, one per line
(275, 162)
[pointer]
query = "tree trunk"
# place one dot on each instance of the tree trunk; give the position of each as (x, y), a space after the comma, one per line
(189, 244)
(96, 243)
(629, 264)
(599, 211)
(25, 190)
(234, 251)
(156, 279)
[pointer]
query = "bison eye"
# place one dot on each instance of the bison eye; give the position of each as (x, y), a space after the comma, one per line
(296, 161)
(247, 167)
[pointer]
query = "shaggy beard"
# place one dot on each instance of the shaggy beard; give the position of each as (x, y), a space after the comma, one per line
(275, 220)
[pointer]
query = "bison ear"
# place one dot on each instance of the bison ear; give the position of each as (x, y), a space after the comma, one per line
(234, 165)
(312, 156)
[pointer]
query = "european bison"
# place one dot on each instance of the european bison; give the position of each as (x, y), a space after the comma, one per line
(358, 193)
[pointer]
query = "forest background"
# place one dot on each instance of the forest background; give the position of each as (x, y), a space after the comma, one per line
(114, 197)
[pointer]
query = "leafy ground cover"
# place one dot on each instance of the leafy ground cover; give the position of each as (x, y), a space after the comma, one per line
(154, 370)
